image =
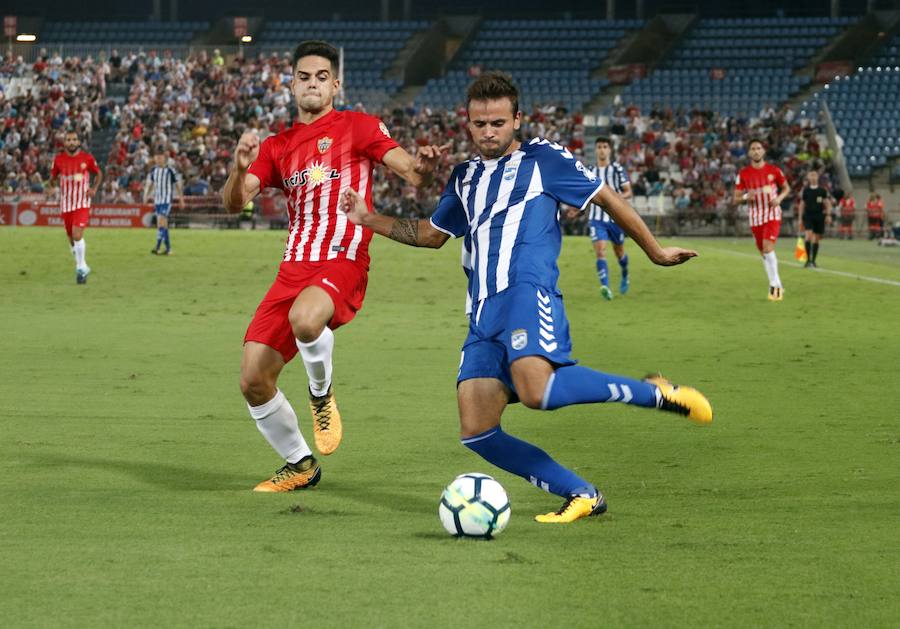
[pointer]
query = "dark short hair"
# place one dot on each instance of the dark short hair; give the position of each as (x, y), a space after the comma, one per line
(493, 85)
(318, 48)
(604, 140)
(757, 141)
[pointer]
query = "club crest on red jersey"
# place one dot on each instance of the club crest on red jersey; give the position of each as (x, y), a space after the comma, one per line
(324, 144)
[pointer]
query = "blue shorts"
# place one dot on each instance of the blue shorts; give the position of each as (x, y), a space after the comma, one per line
(162, 209)
(524, 320)
(607, 231)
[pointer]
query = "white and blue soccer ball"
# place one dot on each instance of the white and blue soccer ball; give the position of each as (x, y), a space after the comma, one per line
(474, 505)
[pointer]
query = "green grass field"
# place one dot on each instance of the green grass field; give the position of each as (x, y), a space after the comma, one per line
(127, 454)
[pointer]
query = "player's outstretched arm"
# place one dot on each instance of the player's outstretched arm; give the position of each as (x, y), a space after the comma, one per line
(626, 218)
(414, 232)
(242, 186)
(418, 170)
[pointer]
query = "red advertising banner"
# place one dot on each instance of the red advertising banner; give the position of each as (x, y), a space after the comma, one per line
(623, 74)
(6, 214)
(102, 215)
(826, 71)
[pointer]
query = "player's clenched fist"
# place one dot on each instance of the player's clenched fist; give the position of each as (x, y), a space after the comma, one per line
(247, 150)
(354, 206)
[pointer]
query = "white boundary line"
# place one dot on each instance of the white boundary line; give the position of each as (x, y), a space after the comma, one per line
(867, 278)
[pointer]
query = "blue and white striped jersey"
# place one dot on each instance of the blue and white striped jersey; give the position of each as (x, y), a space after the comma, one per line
(616, 177)
(163, 181)
(508, 211)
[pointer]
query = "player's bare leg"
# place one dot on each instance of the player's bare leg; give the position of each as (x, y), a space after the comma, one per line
(276, 420)
(770, 261)
(78, 249)
(309, 317)
(602, 269)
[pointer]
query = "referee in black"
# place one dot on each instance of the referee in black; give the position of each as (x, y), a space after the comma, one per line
(815, 211)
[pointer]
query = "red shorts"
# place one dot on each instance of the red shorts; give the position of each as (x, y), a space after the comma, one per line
(343, 280)
(76, 218)
(766, 231)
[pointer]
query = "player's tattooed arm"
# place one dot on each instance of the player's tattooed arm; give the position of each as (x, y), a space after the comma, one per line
(405, 230)
(413, 232)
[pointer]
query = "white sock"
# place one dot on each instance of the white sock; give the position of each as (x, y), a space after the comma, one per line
(771, 263)
(277, 422)
(79, 248)
(317, 358)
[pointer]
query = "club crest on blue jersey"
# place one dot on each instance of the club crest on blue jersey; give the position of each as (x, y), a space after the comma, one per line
(509, 173)
(519, 339)
(315, 174)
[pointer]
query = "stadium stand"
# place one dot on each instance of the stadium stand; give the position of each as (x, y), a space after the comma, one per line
(553, 69)
(115, 32)
(682, 158)
(369, 50)
(736, 66)
(866, 111)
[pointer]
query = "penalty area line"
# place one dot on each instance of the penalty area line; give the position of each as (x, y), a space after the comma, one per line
(855, 276)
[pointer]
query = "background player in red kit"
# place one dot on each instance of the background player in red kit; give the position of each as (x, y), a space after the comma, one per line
(73, 169)
(322, 278)
(764, 187)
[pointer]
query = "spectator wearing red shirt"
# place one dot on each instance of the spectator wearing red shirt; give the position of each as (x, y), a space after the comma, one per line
(847, 207)
(875, 213)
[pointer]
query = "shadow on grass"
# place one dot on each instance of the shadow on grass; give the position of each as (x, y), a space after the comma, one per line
(376, 496)
(166, 475)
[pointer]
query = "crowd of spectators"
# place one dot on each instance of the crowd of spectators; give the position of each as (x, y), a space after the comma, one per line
(693, 157)
(195, 108)
(38, 103)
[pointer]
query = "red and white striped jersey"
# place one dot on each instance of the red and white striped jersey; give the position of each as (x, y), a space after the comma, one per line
(74, 172)
(313, 164)
(761, 186)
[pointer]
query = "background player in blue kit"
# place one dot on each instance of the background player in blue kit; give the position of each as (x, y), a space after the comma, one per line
(165, 183)
(603, 227)
(505, 206)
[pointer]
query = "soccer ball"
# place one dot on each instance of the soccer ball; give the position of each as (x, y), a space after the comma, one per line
(474, 505)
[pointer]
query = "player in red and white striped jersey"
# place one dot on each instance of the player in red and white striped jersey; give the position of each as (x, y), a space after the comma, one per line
(322, 278)
(73, 169)
(763, 186)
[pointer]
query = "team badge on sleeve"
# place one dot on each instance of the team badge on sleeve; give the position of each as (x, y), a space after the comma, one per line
(384, 129)
(324, 144)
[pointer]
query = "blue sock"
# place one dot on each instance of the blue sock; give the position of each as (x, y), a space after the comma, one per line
(530, 462)
(602, 271)
(165, 232)
(623, 262)
(579, 385)
(159, 237)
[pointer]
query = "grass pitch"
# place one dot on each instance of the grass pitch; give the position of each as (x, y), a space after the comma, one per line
(127, 455)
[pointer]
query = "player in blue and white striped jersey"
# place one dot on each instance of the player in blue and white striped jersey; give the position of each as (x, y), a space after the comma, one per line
(165, 184)
(505, 205)
(602, 226)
